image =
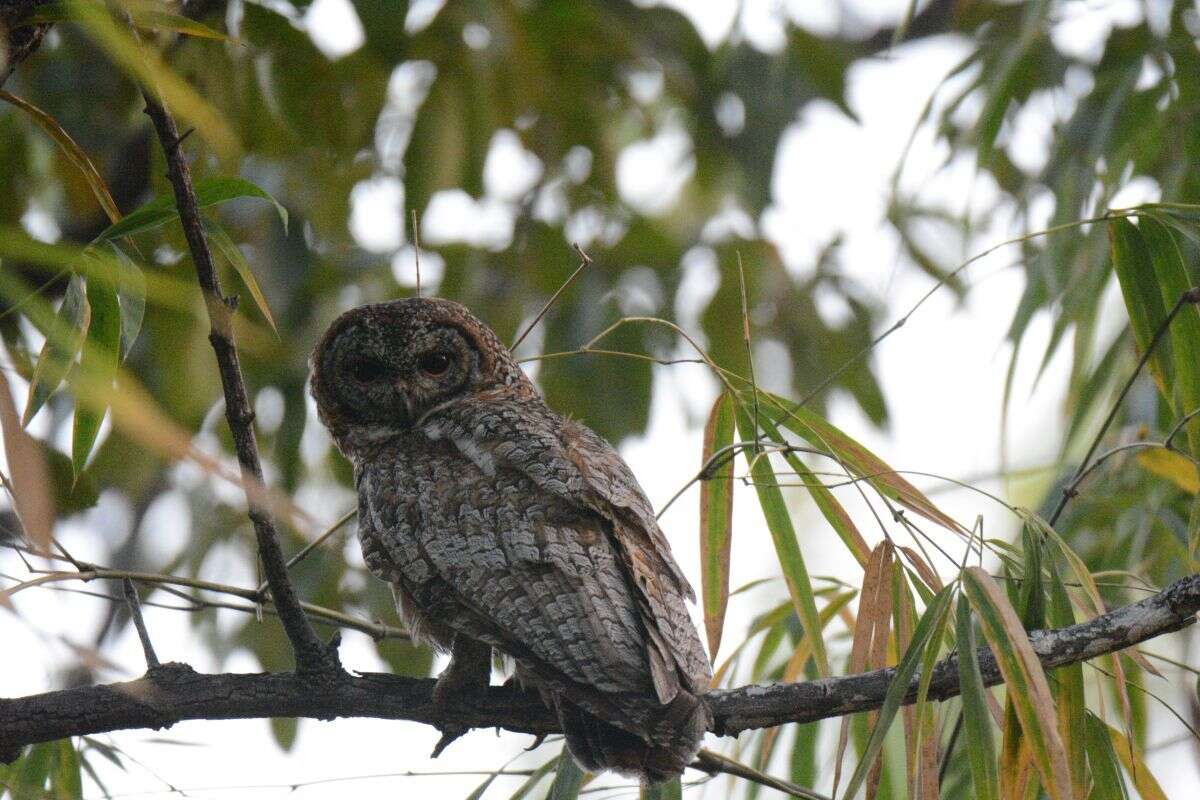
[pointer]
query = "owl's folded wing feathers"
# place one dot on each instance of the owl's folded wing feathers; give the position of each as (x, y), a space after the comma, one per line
(575, 465)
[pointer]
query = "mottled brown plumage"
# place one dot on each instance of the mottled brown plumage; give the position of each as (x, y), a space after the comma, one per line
(500, 524)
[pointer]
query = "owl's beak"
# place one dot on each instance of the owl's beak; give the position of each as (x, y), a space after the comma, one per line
(404, 408)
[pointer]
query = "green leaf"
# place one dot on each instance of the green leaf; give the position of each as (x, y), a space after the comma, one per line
(1107, 781)
(233, 254)
(783, 533)
(131, 294)
(1067, 686)
(74, 153)
(568, 779)
(1173, 281)
(144, 17)
(716, 519)
(27, 777)
(923, 637)
(1028, 689)
(538, 774)
(66, 782)
(99, 359)
(668, 790)
(977, 722)
(833, 511)
(62, 345)
(209, 192)
(1143, 301)
(859, 460)
(284, 729)
(481, 788)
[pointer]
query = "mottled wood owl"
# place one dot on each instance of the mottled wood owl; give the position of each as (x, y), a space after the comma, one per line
(502, 525)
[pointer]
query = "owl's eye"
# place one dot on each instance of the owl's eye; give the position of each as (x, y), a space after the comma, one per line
(434, 364)
(367, 370)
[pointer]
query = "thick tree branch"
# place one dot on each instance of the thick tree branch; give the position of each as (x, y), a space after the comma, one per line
(311, 654)
(174, 692)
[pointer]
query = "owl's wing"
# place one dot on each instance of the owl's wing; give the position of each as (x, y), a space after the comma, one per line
(570, 462)
(513, 565)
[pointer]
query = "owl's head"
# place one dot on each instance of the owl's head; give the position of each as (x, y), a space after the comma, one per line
(381, 368)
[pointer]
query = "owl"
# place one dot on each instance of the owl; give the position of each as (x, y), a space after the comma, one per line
(505, 527)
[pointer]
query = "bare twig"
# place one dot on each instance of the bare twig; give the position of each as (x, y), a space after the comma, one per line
(315, 543)
(713, 763)
(135, 612)
(583, 264)
(1190, 297)
(310, 653)
(416, 249)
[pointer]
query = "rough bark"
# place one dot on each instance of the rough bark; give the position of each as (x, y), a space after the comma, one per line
(173, 693)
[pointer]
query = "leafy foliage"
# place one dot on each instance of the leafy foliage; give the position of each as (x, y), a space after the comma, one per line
(105, 323)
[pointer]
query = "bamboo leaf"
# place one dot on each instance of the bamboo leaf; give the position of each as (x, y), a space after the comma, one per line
(869, 640)
(1107, 781)
(62, 346)
(861, 461)
(148, 67)
(1173, 281)
(1069, 699)
(668, 790)
(538, 774)
(144, 15)
(131, 294)
(783, 533)
(28, 477)
(74, 153)
(1176, 468)
(922, 638)
(977, 726)
(1144, 781)
(826, 502)
(1143, 301)
(209, 192)
(568, 779)
(1023, 675)
(716, 521)
(99, 359)
(233, 254)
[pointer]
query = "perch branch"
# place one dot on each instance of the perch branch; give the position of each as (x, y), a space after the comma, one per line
(175, 692)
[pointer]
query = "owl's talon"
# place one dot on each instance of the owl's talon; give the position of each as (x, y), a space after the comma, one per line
(448, 736)
(537, 742)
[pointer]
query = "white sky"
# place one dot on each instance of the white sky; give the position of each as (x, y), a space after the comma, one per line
(942, 374)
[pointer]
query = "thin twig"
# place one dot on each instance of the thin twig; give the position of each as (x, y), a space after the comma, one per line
(713, 763)
(176, 692)
(315, 543)
(416, 250)
(135, 612)
(749, 346)
(585, 261)
(1189, 297)
(311, 654)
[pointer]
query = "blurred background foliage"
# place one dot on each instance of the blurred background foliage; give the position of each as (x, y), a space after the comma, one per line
(428, 114)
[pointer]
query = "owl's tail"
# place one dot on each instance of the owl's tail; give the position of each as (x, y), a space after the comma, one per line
(673, 738)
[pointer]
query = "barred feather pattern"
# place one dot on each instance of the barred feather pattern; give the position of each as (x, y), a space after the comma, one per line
(496, 519)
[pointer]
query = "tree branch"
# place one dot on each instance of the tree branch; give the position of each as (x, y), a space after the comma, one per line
(175, 692)
(311, 654)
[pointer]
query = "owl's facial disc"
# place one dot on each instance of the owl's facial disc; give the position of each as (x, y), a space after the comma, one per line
(382, 379)
(382, 368)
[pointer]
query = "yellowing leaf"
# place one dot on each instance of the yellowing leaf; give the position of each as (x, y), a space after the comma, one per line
(716, 520)
(1028, 690)
(30, 483)
(1168, 464)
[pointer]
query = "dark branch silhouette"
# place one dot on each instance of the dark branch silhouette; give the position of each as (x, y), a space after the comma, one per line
(173, 693)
